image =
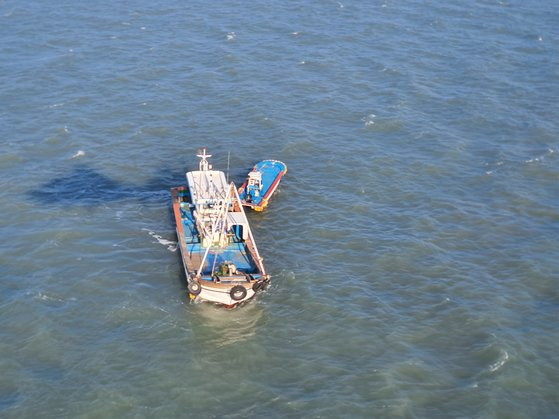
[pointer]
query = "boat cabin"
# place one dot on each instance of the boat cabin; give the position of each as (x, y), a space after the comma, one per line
(213, 212)
(254, 183)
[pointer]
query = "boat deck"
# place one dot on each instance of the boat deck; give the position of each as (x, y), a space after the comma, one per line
(235, 253)
(189, 226)
(272, 172)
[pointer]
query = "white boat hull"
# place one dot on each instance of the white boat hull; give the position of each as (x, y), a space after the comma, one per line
(221, 297)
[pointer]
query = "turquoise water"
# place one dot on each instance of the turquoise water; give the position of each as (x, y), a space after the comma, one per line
(413, 242)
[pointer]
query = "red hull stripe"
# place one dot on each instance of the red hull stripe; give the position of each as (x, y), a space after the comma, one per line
(274, 185)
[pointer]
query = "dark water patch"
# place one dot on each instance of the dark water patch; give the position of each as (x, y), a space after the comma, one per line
(85, 186)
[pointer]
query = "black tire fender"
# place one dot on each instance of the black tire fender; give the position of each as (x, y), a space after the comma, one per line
(194, 288)
(238, 292)
(257, 286)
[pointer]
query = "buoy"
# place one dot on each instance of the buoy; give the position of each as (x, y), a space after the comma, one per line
(194, 288)
(238, 292)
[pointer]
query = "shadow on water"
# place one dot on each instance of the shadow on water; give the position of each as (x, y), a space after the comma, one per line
(85, 186)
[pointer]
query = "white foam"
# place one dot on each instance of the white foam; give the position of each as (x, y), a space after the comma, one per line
(296, 33)
(46, 297)
(500, 362)
(79, 153)
(540, 158)
(369, 119)
(171, 245)
(231, 36)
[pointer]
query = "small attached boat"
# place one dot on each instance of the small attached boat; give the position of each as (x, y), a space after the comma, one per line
(220, 258)
(261, 183)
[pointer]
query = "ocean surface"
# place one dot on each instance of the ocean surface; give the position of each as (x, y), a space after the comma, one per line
(413, 242)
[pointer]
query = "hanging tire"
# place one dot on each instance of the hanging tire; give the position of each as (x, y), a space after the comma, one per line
(238, 292)
(194, 288)
(257, 286)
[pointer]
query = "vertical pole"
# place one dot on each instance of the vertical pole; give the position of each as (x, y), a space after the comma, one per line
(228, 156)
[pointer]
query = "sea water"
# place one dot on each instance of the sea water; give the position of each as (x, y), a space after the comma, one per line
(412, 243)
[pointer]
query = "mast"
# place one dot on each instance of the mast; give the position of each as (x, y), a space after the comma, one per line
(219, 227)
(204, 165)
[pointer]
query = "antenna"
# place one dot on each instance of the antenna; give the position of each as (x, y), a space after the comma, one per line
(228, 157)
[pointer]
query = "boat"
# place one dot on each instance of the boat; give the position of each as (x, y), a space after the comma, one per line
(261, 183)
(221, 261)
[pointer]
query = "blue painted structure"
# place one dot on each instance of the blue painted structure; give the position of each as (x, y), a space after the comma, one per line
(261, 183)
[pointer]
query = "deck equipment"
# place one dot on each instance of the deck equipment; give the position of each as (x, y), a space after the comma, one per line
(221, 261)
(261, 183)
